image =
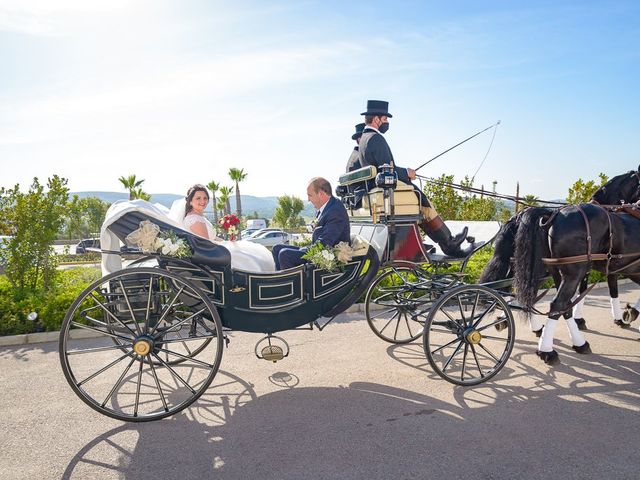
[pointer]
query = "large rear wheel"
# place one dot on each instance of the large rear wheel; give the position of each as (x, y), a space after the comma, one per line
(141, 344)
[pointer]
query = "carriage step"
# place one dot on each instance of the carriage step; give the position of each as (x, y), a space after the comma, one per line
(276, 348)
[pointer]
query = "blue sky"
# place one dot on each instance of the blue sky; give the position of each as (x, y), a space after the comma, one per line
(177, 92)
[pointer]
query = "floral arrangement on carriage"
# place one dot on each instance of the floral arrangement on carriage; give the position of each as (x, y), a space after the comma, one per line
(229, 223)
(335, 258)
(150, 239)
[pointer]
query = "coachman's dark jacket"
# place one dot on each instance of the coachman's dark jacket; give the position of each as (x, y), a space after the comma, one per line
(374, 150)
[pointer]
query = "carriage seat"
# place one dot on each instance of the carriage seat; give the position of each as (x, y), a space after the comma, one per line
(205, 252)
(362, 201)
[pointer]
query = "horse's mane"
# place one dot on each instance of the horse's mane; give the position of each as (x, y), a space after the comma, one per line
(499, 266)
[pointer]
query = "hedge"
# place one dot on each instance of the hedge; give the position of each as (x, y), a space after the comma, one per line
(50, 306)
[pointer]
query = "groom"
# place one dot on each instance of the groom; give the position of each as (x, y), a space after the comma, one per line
(332, 225)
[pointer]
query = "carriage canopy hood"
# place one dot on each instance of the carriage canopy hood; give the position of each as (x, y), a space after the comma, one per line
(111, 262)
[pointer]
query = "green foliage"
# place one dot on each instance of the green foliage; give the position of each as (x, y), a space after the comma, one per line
(84, 217)
(581, 191)
(238, 175)
(451, 204)
(287, 213)
(35, 218)
(213, 188)
(132, 184)
(223, 202)
(444, 197)
(51, 306)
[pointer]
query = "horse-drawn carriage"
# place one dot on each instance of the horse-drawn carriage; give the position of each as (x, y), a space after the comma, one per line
(146, 340)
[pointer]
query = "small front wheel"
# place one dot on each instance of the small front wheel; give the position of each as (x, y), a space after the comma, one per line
(469, 334)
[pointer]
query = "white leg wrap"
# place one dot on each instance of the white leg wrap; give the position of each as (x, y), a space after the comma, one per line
(545, 344)
(576, 335)
(615, 309)
(577, 309)
(536, 322)
(637, 305)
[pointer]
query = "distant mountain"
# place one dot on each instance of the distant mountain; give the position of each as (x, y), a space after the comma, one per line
(264, 206)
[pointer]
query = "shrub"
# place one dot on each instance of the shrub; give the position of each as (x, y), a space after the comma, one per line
(51, 306)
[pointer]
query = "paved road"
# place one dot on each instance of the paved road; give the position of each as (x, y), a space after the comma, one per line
(345, 405)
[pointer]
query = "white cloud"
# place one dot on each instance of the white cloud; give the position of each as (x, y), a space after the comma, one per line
(50, 17)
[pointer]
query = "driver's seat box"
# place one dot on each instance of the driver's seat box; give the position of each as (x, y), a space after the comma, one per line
(405, 200)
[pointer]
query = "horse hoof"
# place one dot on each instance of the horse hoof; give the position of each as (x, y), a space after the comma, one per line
(585, 348)
(621, 323)
(550, 358)
(538, 332)
(581, 323)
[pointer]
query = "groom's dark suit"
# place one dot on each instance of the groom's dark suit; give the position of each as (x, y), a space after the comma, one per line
(332, 227)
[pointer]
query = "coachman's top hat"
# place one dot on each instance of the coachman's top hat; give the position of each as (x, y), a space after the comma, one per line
(359, 129)
(377, 108)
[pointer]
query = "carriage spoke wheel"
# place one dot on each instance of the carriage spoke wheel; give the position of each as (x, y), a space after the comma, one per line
(141, 344)
(469, 334)
(396, 304)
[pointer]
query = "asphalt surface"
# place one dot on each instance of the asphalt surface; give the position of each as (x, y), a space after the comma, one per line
(345, 404)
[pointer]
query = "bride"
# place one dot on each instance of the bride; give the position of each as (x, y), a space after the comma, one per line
(189, 212)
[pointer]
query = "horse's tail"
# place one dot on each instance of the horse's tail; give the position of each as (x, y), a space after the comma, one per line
(531, 245)
(499, 266)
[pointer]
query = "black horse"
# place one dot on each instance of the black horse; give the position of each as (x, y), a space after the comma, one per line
(622, 188)
(576, 239)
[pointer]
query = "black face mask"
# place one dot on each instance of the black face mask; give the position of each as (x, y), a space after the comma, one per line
(384, 127)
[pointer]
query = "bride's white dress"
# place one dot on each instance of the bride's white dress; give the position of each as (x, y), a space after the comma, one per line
(249, 256)
(245, 255)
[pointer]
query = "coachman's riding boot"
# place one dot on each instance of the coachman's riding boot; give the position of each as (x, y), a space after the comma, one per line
(440, 233)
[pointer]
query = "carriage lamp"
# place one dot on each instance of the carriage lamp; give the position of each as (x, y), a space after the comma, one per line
(342, 190)
(387, 177)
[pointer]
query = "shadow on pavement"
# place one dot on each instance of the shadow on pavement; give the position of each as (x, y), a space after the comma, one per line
(569, 422)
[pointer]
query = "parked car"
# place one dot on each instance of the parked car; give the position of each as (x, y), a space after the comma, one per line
(247, 232)
(271, 238)
(82, 245)
(263, 230)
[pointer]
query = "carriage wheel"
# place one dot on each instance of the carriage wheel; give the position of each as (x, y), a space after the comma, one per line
(469, 334)
(396, 304)
(118, 334)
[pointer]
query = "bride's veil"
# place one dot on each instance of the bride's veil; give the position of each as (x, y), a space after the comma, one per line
(176, 212)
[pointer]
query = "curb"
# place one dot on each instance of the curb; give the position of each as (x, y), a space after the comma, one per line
(31, 338)
(43, 337)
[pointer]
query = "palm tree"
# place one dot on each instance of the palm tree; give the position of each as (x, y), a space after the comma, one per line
(139, 193)
(213, 186)
(131, 183)
(237, 175)
(225, 194)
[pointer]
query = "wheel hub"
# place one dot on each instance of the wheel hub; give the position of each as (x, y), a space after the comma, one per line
(473, 337)
(142, 346)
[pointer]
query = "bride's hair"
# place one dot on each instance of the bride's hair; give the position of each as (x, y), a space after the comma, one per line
(190, 193)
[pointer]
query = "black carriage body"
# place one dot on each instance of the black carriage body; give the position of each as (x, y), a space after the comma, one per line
(277, 301)
(261, 302)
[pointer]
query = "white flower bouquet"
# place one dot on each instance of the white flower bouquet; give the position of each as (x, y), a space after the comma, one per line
(150, 239)
(335, 258)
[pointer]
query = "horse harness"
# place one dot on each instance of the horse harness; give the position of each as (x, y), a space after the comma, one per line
(631, 209)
